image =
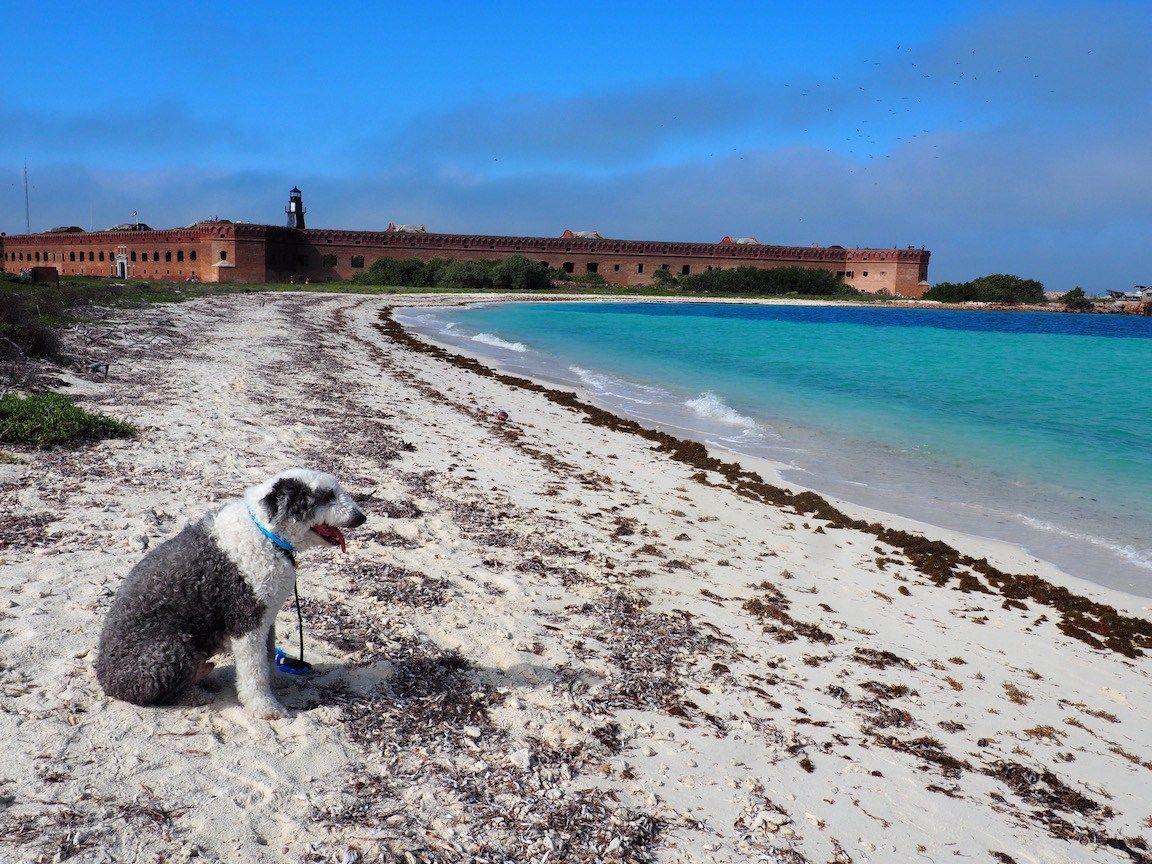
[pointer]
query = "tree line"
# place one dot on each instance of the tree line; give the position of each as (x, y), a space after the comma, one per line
(994, 288)
(515, 273)
(758, 282)
(518, 273)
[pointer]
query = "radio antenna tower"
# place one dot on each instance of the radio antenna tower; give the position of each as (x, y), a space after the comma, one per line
(27, 211)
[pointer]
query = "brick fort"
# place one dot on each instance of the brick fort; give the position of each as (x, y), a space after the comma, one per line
(219, 250)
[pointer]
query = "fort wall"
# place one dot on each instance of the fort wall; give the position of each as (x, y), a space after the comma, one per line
(219, 251)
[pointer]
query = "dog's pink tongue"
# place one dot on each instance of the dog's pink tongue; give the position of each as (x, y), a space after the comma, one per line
(333, 535)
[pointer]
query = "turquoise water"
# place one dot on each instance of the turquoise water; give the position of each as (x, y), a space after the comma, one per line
(1028, 427)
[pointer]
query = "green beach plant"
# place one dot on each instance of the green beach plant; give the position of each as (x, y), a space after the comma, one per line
(44, 420)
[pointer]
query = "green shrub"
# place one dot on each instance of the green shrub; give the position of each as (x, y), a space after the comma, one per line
(1076, 300)
(994, 288)
(47, 419)
(466, 276)
(515, 273)
(756, 281)
(408, 272)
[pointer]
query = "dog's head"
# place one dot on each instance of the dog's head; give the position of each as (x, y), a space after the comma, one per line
(307, 507)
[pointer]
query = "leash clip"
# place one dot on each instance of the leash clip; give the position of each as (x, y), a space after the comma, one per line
(292, 665)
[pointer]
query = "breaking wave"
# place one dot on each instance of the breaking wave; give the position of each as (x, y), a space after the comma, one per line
(711, 407)
(497, 342)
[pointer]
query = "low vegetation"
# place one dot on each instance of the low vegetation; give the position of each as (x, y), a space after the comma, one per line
(776, 282)
(29, 312)
(752, 282)
(44, 420)
(515, 273)
(995, 288)
(518, 273)
(1076, 300)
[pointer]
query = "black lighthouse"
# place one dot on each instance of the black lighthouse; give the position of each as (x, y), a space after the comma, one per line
(295, 209)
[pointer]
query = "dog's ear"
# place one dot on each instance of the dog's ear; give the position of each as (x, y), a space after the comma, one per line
(290, 498)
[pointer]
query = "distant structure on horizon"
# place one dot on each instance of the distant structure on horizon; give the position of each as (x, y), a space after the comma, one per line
(219, 250)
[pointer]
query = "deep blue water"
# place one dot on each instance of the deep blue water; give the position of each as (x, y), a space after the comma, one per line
(1029, 427)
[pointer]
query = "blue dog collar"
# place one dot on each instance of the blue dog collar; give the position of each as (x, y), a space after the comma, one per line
(277, 541)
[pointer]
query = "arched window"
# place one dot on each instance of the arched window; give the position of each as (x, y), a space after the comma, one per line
(223, 254)
(569, 266)
(101, 254)
(357, 261)
(155, 256)
(192, 255)
(168, 255)
(71, 256)
(37, 256)
(91, 255)
(180, 255)
(132, 255)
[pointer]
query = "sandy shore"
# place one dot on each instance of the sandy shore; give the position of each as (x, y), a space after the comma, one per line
(556, 640)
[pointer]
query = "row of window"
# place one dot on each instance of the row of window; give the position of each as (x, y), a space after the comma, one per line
(594, 267)
(47, 257)
(356, 262)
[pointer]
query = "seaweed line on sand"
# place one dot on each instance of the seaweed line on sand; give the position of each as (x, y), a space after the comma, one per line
(1096, 624)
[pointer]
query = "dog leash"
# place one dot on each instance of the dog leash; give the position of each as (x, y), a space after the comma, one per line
(290, 665)
(293, 665)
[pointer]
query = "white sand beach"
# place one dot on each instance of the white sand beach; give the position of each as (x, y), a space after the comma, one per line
(554, 641)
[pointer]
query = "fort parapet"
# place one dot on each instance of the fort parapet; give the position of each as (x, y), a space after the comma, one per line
(223, 251)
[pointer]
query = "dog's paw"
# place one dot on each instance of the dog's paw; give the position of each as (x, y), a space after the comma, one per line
(267, 709)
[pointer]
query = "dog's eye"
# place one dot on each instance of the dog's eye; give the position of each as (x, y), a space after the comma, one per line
(327, 498)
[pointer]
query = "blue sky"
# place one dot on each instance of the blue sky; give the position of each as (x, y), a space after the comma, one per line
(1006, 137)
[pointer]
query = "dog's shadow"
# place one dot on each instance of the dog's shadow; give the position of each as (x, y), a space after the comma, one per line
(405, 677)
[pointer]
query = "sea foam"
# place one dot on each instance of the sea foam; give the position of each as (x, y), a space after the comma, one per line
(711, 407)
(606, 385)
(497, 342)
(1141, 558)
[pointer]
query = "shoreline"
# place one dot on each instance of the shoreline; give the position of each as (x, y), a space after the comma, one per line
(1097, 625)
(559, 295)
(1093, 553)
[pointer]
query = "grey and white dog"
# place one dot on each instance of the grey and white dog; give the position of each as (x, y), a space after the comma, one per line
(221, 579)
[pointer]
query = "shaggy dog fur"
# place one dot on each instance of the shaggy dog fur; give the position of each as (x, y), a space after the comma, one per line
(220, 581)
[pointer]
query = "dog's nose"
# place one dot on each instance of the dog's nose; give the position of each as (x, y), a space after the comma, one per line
(358, 520)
